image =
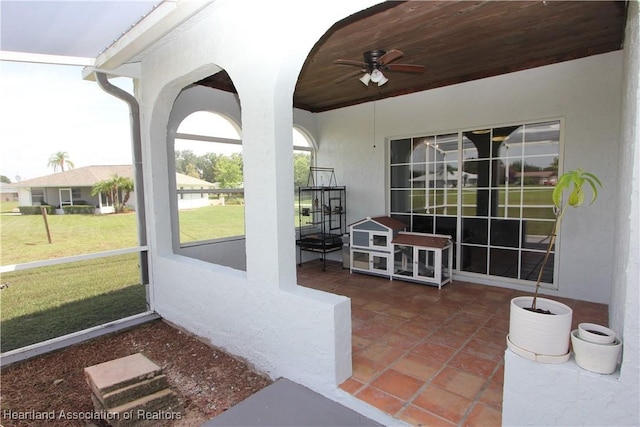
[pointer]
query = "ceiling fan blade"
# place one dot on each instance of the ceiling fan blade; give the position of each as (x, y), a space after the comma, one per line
(392, 55)
(406, 68)
(348, 76)
(349, 62)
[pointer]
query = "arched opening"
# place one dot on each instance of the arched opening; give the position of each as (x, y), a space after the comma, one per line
(209, 183)
(206, 152)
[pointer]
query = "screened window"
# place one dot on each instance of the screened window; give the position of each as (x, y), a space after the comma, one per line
(68, 280)
(37, 196)
(489, 188)
(302, 157)
(209, 179)
(302, 161)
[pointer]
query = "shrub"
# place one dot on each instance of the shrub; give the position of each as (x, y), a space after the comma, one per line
(79, 209)
(36, 210)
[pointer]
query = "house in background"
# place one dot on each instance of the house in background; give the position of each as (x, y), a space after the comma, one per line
(74, 186)
(8, 192)
(188, 197)
(538, 177)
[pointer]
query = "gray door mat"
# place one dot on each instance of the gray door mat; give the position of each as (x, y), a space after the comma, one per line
(288, 404)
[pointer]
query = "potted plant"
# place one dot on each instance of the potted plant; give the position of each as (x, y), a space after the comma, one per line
(540, 328)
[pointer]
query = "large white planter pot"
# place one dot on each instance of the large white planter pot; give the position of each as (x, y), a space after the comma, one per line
(540, 337)
(598, 358)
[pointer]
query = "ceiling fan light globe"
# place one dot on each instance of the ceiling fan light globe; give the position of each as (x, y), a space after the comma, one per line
(376, 76)
(383, 80)
(365, 79)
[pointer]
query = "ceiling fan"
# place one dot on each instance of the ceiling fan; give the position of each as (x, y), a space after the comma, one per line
(375, 62)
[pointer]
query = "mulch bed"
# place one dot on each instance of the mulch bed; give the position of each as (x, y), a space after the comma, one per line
(208, 380)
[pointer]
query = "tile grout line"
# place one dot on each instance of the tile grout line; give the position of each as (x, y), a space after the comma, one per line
(476, 400)
(445, 364)
(336, 285)
(408, 402)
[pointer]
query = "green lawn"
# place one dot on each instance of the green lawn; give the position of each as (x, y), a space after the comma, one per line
(24, 237)
(212, 222)
(48, 302)
(7, 207)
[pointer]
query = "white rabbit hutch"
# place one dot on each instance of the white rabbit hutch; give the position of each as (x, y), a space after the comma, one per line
(381, 246)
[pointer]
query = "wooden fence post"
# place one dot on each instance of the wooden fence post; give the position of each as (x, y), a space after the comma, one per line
(43, 210)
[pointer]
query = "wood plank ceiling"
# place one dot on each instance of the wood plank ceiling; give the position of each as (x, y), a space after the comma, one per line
(456, 41)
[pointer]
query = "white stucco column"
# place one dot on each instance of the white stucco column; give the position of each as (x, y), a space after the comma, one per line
(268, 174)
(265, 86)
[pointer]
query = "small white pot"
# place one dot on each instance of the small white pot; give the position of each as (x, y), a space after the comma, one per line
(596, 334)
(598, 358)
(540, 337)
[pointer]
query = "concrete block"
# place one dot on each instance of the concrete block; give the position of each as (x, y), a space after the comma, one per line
(153, 409)
(119, 373)
(133, 391)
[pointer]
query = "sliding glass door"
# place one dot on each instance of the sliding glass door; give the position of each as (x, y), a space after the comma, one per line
(489, 188)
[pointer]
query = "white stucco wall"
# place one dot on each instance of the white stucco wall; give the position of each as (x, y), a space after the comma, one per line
(586, 93)
(225, 252)
(201, 98)
(288, 334)
(539, 394)
(24, 197)
(261, 314)
(625, 301)
(564, 394)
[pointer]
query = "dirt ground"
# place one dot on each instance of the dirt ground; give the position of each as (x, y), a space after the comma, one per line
(208, 380)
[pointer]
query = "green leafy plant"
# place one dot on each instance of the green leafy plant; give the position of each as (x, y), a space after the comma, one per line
(36, 210)
(79, 209)
(573, 181)
(113, 188)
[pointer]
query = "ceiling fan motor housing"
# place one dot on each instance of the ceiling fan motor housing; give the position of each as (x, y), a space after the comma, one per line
(372, 58)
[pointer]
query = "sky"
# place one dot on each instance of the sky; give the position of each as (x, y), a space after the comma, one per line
(45, 109)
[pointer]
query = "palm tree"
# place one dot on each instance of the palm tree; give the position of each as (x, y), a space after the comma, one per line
(59, 160)
(126, 185)
(112, 188)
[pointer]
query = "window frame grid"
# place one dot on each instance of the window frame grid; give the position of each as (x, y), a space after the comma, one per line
(503, 211)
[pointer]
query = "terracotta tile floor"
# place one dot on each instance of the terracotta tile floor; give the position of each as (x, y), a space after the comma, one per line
(427, 356)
